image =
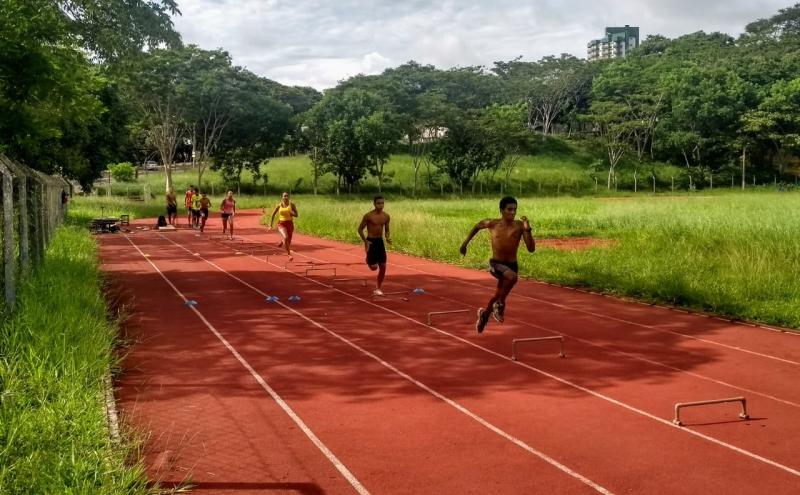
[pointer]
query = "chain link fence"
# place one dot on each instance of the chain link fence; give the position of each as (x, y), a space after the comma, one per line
(32, 206)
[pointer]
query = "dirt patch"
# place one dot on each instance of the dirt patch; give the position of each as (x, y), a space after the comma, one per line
(575, 243)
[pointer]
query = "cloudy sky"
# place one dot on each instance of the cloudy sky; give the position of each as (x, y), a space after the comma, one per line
(317, 43)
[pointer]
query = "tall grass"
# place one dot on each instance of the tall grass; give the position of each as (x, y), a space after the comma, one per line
(54, 352)
(727, 253)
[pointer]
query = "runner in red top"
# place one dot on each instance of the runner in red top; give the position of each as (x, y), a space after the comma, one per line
(228, 208)
(187, 201)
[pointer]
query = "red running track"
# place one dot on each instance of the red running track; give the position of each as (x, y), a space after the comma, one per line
(340, 393)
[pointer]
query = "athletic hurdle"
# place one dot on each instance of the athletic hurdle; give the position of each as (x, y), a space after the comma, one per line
(287, 263)
(319, 269)
(440, 313)
(559, 338)
(363, 281)
(681, 405)
(386, 295)
(393, 293)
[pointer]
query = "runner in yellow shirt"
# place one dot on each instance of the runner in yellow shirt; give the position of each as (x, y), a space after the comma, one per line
(286, 211)
(196, 209)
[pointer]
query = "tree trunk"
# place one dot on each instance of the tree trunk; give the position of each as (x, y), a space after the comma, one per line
(744, 159)
(168, 176)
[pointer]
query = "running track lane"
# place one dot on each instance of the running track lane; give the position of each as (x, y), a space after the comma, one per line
(701, 471)
(202, 417)
(650, 391)
(741, 337)
(405, 440)
(637, 340)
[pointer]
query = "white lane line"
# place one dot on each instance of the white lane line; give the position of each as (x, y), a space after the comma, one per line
(277, 398)
(416, 382)
(597, 315)
(599, 395)
(600, 346)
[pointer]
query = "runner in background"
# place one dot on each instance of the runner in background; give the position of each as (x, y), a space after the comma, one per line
(377, 223)
(187, 202)
(228, 208)
(205, 204)
(172, 207)
(196, 209)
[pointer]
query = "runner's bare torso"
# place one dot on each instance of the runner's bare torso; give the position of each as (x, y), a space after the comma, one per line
(505, 238)
(376, 223)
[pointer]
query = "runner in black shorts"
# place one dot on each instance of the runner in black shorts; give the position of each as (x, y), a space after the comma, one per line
(377, 223)
(205, 204)
(376, 253)
(172, 207)
(499, 268)
(506, 233)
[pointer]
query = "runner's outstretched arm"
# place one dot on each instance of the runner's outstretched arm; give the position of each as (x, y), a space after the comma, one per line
(527, 235)
(361, 228)
(274, 212)
(483, 224)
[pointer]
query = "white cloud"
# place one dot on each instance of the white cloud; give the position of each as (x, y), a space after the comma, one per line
(319, 42)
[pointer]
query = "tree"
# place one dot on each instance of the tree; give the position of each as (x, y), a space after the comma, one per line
(122, 172)
(256, 129)
(504, 126)
(209, 92)
(549, 87)
(777, 119)
(634, 82)
(155, 86)
(705, 104)
(353, 133)
(61, 110)
(611, 124)
(464, 152)
(785, 24)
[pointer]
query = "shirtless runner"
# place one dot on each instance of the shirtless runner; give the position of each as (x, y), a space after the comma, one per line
(376, 222)
(506, 233)
(172, 207)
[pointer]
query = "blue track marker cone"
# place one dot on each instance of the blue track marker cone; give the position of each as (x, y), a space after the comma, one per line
(191, 302)
(272, 299)
(419, 291)
(294, 298)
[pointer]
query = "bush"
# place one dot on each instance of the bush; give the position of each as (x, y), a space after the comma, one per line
(122, 172)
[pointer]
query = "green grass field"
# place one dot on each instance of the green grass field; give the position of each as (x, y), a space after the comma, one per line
(54, 352)
(727, 253)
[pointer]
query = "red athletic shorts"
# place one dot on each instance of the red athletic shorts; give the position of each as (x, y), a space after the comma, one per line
(288, 225)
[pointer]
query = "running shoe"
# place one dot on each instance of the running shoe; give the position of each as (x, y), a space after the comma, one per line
(377, 292)
(483, 319)
(497, 311)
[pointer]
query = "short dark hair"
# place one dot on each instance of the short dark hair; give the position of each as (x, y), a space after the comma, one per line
(508, 200)
(376, 198)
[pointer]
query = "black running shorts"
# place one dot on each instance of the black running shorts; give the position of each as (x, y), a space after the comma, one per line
(499, 268)
(376, 254)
